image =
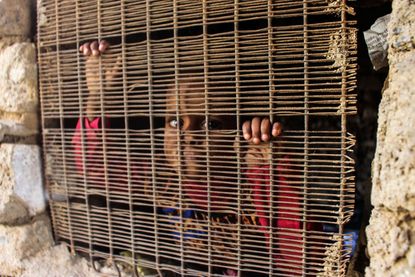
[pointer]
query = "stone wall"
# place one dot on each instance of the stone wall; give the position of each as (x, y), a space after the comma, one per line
(26, 242)
(391, 233)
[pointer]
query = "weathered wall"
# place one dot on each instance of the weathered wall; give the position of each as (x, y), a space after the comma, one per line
(26, 243)
(24, 230)
(391, 233)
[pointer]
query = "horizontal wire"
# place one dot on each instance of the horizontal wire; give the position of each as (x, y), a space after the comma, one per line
(270, 46)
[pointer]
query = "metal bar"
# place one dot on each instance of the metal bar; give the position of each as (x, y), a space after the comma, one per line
(306, 137)
(207, 137)
(179, 131)
(152, 140)
(238, 134)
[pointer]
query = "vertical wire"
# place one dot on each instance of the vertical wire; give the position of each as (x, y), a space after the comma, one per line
(344, 186)
(44, 132)
(61, 121)
(238, 134)
(127, 136)
(104, 137)
(343, 133)
(179, 132)
(206, 94)
(272, 170)
(152, 143)
(83, 139)
(306, 137)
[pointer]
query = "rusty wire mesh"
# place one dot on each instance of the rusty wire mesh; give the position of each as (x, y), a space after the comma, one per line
(136, 192)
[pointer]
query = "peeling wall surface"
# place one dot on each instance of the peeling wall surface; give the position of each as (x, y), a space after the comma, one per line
(391, 233)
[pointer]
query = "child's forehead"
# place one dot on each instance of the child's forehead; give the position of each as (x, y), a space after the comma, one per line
(190, 96)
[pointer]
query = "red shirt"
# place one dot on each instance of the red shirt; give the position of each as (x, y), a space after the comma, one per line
(286, 219)
(89, 157)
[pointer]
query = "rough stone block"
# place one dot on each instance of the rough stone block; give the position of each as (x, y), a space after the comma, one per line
(394, 162)
(391, 233)
(63, 264)
(18, 78)
(391, 243)
(19, 243)
(15, 17)
(21, 125)
(18, 89)
(21, 188)
(401, 28)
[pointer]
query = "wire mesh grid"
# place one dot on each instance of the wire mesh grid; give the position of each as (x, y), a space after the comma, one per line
(145, 159)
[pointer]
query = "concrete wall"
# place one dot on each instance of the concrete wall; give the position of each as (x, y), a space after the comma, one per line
(391, 233)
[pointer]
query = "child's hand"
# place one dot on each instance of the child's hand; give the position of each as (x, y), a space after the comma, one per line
(94, 48)
(260, 129)
(111, 68)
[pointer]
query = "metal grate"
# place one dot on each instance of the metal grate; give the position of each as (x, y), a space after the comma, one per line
(159, 199)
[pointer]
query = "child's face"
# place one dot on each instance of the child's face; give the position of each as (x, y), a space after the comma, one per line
(197, 153)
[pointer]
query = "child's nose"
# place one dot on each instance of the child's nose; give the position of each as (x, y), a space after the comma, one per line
(190, 138)
(190, 130)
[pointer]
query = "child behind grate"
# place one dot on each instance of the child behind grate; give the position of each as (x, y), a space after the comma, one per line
(196, 186)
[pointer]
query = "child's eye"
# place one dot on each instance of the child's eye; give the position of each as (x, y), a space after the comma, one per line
(174, 123)
(212, 124)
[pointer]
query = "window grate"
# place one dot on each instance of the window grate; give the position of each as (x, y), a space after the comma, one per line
(146, 163)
